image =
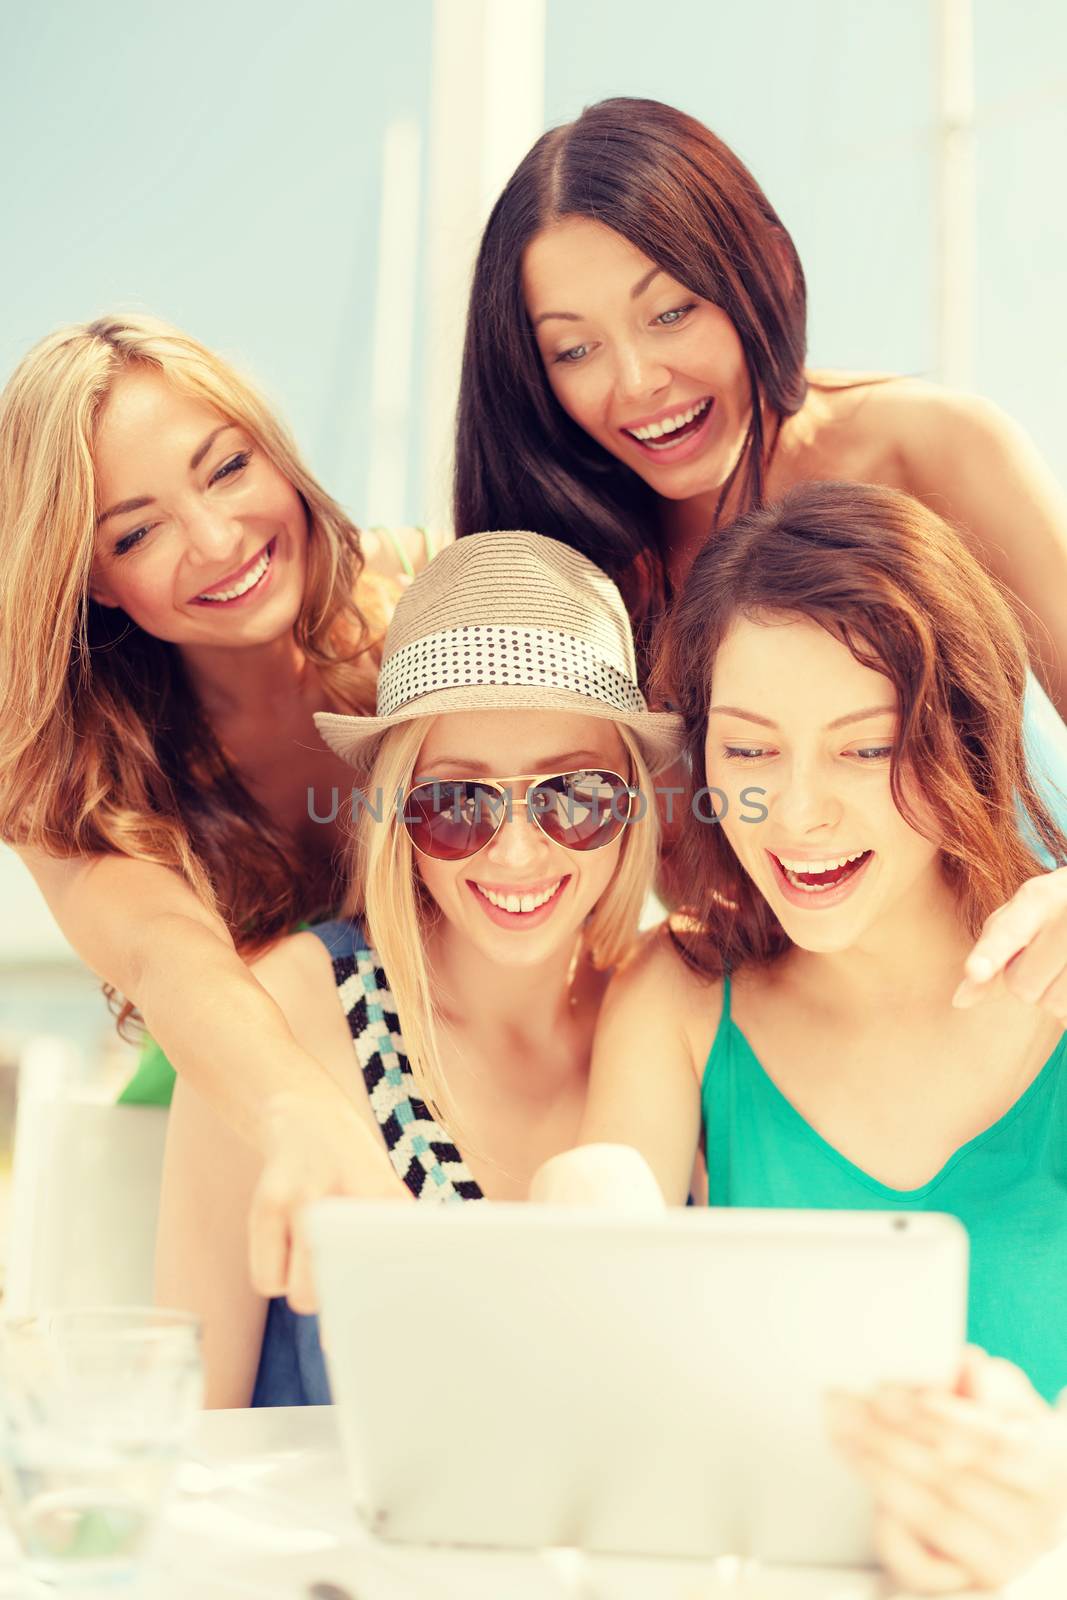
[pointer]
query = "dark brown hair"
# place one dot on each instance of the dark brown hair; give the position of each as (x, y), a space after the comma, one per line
(666, 184)
(898, 587)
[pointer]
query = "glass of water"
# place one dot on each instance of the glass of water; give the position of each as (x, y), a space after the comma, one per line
(95, 1412)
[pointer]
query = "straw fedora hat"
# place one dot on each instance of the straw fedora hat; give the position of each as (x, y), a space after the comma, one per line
(508, 622)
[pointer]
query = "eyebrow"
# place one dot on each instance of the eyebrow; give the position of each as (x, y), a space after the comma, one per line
(573, 760)
(572, 316)
(139, 502)
(640, 287)
(838, 722)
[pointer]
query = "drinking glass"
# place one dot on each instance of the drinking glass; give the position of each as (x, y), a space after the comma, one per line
(95, 1411)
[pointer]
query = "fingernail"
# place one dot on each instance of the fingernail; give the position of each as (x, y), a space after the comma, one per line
(964, 994)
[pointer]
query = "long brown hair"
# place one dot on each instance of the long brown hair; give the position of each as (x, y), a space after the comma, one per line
(898, 587)
(104, 746)
(676, 192)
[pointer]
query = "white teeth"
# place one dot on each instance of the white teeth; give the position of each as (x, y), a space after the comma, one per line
(656, 430)
(820, 866)
(249, 581)
(792, 868)
(518, 902)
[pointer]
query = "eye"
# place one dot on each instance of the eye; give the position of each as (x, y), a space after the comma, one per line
(874, 752)
(745, 752)
(571, 356)
(235, 464)
(130, 540)
(669, 319)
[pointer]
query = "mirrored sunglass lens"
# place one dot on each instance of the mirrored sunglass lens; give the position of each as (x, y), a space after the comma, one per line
(581, 810)
(451, 820)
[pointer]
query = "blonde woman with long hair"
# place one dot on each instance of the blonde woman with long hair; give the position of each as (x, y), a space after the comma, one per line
(504, 843)
(178, 598)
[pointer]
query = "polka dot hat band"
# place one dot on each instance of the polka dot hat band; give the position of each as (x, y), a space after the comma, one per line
(507, 622)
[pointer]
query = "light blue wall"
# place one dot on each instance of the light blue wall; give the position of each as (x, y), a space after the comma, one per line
(217, 164)
(830, 103)
(1021, 152)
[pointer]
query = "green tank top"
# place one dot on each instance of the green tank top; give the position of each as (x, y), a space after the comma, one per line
(1008, 1186)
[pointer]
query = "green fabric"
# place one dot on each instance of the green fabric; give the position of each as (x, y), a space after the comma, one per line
(1008, 1186)
(152, 1083)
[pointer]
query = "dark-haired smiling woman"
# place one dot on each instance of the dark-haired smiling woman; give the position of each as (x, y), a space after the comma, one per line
(634, 378)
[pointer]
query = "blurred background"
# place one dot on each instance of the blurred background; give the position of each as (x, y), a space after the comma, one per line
(303, 188)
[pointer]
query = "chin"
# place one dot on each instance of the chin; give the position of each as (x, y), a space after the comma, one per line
(835, 935)
(516, 951)
(826, 944)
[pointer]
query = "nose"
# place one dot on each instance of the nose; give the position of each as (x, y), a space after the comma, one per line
(804, 800)
(519, 846)
(212, 536)
(639, 372)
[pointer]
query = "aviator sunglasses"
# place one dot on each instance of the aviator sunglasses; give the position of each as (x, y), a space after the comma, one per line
(450, 819)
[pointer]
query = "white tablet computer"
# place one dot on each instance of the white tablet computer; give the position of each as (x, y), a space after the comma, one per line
(518, 1375)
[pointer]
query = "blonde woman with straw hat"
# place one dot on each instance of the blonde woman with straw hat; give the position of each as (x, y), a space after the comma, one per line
(178, 597)
(505, 840)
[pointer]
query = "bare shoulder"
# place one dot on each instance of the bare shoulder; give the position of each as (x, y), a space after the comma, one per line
(298, 973)
(656, 975)
(892, 407)
(907, 433)
(931, 424)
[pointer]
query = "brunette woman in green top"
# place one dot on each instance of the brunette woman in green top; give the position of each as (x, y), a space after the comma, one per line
(852, 685)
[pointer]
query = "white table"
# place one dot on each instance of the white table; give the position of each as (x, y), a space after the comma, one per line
(263, 1512)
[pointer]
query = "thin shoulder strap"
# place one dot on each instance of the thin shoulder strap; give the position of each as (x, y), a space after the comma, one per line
(720, 1042)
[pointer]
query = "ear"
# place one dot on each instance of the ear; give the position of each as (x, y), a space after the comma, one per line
(100, 590)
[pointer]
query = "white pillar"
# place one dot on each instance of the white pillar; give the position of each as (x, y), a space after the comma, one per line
(956, 195)
(487, 108)
(395, 300)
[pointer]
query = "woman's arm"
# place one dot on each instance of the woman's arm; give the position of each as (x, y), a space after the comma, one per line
(980, 470)
(140, 927)
(644, 1091)
(211, 1178)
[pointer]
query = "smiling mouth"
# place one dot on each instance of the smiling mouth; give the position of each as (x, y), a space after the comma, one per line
(670, 431)
(242, 584)
(814, 877)
(516, 902)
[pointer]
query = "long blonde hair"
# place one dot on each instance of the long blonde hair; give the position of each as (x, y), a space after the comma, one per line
(103, 744)
(386, 894)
